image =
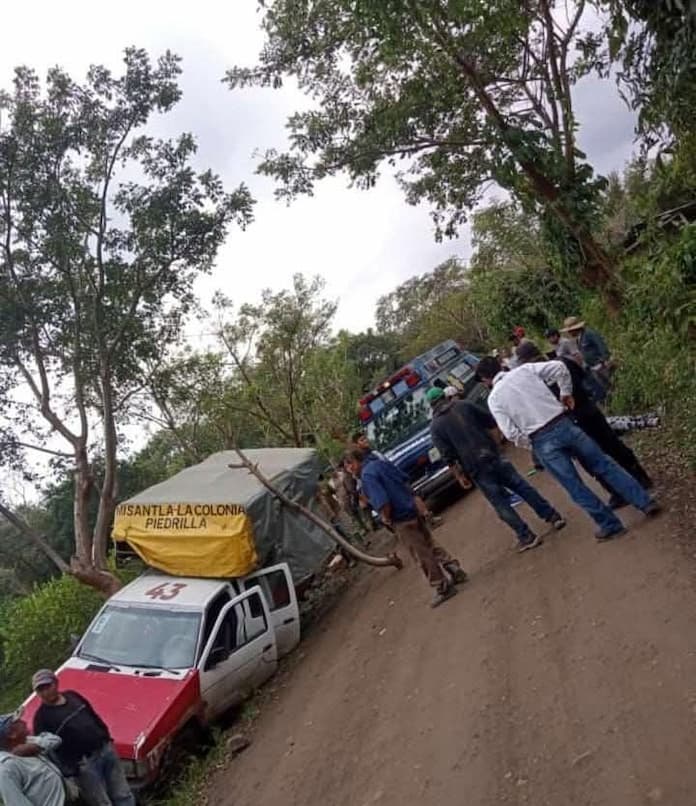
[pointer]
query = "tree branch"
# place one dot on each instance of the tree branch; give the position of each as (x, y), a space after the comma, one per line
(38, 540)
(246, 463)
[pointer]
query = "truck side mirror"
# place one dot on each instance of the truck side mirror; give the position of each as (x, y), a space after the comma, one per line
(74, 641)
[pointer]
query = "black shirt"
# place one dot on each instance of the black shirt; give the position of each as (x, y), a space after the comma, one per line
(460, 431)
(78, 725)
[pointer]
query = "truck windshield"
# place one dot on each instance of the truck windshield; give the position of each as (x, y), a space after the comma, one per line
(143, 636)
(400, 421)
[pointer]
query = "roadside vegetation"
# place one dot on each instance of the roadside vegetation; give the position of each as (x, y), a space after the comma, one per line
(93, 315)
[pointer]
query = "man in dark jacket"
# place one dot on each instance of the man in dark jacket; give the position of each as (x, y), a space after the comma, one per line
(390, 494)
(461, 431)
(591, 419)
(86, 749)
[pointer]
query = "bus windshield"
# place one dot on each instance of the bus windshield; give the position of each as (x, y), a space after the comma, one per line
(400, 421)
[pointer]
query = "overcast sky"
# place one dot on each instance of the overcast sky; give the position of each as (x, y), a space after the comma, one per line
(363, 243)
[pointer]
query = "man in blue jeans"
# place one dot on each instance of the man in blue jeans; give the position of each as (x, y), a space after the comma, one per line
(528, 413)
(461, 431)
(86, 750)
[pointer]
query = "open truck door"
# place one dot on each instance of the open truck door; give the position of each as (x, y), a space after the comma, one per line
(240, 655)
(279, 592)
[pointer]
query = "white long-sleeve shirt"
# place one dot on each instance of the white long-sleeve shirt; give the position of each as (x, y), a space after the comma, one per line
(521, 401)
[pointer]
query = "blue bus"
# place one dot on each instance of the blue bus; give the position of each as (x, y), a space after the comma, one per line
(396, 415)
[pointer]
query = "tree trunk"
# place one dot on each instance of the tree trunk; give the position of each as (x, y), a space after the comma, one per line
(103, 581)
(109, 490)
(38, 540)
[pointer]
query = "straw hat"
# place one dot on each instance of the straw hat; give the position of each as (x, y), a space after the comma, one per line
(571, 323)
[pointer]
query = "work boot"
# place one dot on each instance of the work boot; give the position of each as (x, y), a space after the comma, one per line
(458, 574)
(443, 594)
(434, 521)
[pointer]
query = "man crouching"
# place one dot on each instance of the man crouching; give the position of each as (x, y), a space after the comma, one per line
(389, 492)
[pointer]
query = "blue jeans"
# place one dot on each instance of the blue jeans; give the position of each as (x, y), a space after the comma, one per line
(559, 444)
(492, 481)
(102, 780)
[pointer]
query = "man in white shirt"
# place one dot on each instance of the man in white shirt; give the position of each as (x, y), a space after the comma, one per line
(27, 777)
(528, 413)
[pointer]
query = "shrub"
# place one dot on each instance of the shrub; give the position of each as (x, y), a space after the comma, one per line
(653, 336)
(35, 632)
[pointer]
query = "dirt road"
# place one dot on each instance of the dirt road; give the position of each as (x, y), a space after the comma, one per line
(563, 676)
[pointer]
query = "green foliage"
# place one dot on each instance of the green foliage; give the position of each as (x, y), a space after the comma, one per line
(104, 230)
(653, 338)
(513, 281)
(429, 308)
(655, 44)
(35, 632)
(457, 94)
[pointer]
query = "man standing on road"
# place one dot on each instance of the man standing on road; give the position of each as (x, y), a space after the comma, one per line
(361, 441)
(390, 494)
(461, 432)
(526, 410)
(86, 749)
(27, 776)
(593, 422)
(595, 354)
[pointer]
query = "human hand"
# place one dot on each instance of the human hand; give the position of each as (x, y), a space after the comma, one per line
(568, 401)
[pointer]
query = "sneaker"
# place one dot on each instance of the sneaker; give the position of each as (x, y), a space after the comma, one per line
(558, 522)
(533, 542)
(443, 595)
(604, 535)
(652, 509)
(617, 502)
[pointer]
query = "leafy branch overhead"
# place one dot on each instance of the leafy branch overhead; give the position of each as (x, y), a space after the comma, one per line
(103, 230)
(458, 95)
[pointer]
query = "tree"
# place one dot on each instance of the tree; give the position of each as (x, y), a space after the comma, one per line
(429, 308)
(103, 231)
(271, 345)
(463, 93)
(373, 354)
(512, 281)
(654, 43)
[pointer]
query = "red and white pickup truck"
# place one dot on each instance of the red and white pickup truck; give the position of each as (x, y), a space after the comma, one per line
(168, 653)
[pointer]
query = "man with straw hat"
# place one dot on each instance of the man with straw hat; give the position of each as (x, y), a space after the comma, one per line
(594, 351)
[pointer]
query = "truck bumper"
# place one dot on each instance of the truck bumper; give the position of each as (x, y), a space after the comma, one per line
(440, 481)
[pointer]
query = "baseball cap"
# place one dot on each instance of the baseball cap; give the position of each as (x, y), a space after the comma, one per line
(528, 351)
(6, 722)
(43, 677)
(434, 394)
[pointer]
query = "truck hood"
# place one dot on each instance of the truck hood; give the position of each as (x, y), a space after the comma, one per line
(415, 446)
(139, 710)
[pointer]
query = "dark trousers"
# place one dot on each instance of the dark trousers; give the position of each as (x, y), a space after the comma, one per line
(594, 424)
(494, 478)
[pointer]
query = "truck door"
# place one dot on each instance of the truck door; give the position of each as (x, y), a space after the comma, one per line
(279, 590)
(240, 655)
